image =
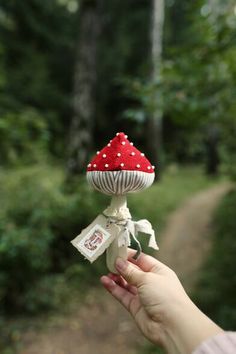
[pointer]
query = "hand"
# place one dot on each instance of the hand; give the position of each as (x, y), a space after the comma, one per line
(154, 296)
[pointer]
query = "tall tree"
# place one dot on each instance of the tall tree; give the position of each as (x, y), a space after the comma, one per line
(80, 141)
(154, 123)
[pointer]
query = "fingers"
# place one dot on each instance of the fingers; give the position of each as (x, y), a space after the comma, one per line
(145, 262)
(119, 293)
(123, 283)
(130, 272)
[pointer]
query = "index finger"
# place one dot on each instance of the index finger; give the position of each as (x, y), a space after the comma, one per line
(145, 262)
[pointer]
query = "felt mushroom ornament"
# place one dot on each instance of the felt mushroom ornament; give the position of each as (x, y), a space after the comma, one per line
(118, 169)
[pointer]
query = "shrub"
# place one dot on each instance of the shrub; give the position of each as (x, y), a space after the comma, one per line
(37, 221)
(24, 136)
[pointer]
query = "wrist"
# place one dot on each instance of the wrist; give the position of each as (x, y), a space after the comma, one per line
(186, 328)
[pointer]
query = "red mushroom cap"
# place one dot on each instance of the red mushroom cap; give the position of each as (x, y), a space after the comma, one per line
(120, 155)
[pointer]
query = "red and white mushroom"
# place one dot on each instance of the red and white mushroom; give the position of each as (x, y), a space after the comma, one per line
(119, 168)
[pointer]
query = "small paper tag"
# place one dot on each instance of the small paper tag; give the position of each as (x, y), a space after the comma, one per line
(92, 242)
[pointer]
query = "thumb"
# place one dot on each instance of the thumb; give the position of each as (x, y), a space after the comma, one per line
(130, 272)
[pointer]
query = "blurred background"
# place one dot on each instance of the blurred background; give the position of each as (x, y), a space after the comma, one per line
(72, 74)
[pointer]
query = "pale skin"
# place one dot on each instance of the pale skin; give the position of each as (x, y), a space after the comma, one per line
(162, 310)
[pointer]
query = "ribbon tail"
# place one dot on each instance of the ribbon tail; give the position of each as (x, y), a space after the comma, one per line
(138, 247)
(152, 241)
(146, 227)
(133, 232)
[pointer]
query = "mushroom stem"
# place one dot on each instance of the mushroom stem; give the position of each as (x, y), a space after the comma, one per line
(118, 203)
(118, 208)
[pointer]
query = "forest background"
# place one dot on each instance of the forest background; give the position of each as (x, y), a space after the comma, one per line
(72, 74)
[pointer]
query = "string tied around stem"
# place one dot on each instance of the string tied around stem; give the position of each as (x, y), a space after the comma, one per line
(130, 229)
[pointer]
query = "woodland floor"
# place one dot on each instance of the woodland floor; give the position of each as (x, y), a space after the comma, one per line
(101, 325)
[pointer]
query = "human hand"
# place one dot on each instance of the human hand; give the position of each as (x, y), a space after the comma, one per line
(154, 296)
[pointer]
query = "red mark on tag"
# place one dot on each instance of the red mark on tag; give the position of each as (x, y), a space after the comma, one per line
(94, 240)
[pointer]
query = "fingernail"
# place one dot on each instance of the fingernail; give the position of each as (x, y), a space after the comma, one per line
(121, 264)
(107, 281)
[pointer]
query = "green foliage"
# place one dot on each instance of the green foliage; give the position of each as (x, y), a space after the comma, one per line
(198, 76)
(198, 81)
(34, 85)
(215, 293)
(24, 136)
(36, 74)
(39, 215)
(37, 221)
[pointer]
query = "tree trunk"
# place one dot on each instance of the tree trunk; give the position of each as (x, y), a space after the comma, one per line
(154, 123)
(81, 130)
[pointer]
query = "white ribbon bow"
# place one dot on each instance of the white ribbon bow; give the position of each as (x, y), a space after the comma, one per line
(133, 228)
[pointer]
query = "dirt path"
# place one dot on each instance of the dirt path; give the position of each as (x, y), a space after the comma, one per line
(186, 238)
(101, 325)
